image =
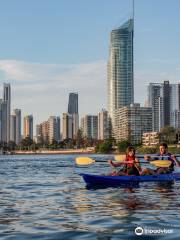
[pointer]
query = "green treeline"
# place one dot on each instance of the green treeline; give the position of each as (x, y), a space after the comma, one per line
(167, 134)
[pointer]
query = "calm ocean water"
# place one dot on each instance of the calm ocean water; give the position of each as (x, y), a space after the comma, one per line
(43, 197)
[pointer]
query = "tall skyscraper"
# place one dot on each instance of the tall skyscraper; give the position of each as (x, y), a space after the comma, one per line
(13, 128)
(89, 126)
(3, 120)
(175, 105)
(7, 99)
(75, 122)
(28, 126)
(54, 129)
(67, 126)
(164, 98)
(39, 133)
(120, 69)
(15, 133)
(103, 125)
(73, 103)
(175, 97)
(44, 128)
(166, 102)
(155, 102)
(71, 119)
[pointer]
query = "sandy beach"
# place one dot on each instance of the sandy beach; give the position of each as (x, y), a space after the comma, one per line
(63, 151)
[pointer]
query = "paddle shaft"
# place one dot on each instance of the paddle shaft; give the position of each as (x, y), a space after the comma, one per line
(88, 160)
(124, 162)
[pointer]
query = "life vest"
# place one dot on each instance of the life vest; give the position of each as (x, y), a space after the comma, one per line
(130, 161)
(167, 156)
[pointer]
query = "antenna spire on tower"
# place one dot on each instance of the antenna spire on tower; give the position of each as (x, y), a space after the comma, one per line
(133, 11)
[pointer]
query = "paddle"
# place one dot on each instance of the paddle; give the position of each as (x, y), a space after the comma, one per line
(88, 161)
(120, 157)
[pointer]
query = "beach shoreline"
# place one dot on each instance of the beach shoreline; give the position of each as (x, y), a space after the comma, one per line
(45, 151)
(56, 152)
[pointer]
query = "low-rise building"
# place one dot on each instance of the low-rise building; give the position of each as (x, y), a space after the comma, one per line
(150, 139)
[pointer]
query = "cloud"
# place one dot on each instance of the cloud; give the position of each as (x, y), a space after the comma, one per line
(42, 89)
(25, 71)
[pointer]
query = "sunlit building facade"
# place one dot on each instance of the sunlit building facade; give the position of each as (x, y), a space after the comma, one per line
(120, 69)
(131, 122)
(28, 126)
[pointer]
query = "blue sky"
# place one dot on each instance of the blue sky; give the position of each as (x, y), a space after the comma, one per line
(52, 47)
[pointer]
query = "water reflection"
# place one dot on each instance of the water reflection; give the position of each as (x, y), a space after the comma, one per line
(125, 186)
(42, 200)
(165, 186)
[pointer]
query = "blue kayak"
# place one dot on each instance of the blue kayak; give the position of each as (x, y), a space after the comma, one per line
(97, 180)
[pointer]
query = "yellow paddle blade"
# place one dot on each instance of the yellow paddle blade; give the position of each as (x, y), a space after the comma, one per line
(120, 158)
(84, 160)
(161, 163)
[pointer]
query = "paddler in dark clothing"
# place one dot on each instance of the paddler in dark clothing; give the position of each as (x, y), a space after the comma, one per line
(162, 155)
(131, 165)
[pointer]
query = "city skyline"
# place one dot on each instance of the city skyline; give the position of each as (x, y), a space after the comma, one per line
(64, 51)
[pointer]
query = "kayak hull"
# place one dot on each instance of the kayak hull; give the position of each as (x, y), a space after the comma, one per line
(98, 180)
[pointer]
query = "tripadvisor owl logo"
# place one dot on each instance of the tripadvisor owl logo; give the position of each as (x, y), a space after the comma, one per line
(139, 231)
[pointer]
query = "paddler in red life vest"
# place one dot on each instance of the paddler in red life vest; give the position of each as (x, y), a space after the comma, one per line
(162, 155)
(131, 164)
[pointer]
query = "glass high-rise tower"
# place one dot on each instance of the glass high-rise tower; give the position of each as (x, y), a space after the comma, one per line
(7, 99)
(73, 103)
(120, 69)
(72, 118)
